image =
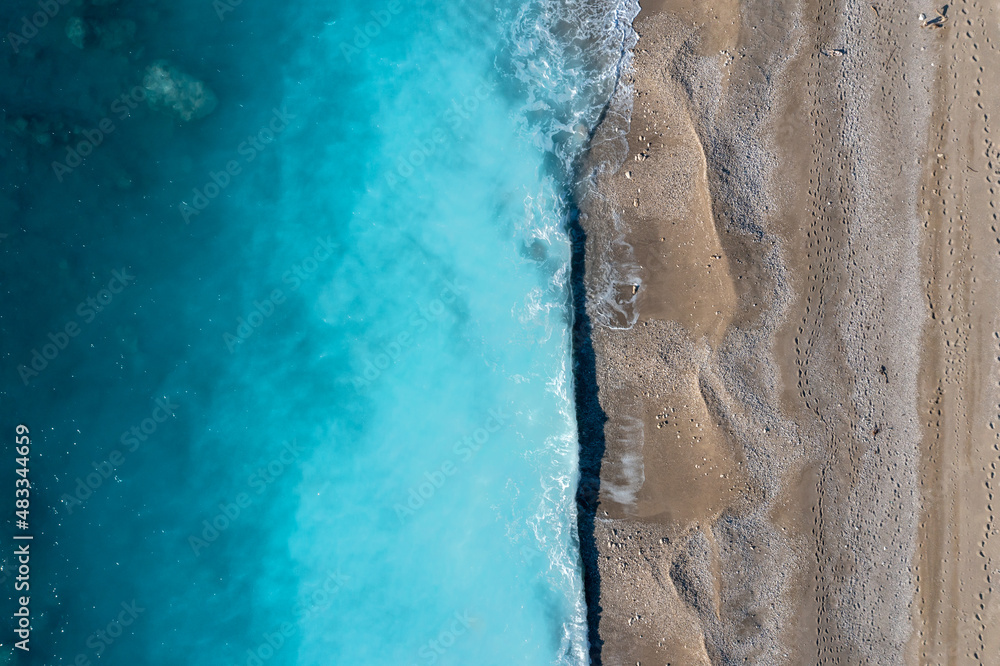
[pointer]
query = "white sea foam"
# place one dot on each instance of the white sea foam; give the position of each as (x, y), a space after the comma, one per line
(569, 56)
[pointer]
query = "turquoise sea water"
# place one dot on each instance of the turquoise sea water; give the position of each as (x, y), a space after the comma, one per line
(318, 409)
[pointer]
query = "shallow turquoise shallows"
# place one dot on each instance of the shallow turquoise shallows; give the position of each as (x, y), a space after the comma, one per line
(347, 358)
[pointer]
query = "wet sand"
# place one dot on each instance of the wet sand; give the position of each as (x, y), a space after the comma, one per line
(793, 285)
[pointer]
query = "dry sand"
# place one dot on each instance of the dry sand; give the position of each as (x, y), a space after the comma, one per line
(792, 280)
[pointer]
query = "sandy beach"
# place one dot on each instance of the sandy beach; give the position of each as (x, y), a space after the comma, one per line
(792, 284)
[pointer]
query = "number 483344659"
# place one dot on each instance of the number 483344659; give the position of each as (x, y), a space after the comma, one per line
(23, 485)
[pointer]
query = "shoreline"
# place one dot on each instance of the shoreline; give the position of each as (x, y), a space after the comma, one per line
(766, 276)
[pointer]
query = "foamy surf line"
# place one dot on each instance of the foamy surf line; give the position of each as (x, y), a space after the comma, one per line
(603, 32)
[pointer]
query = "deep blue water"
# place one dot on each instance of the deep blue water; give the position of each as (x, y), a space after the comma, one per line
(302, 381)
